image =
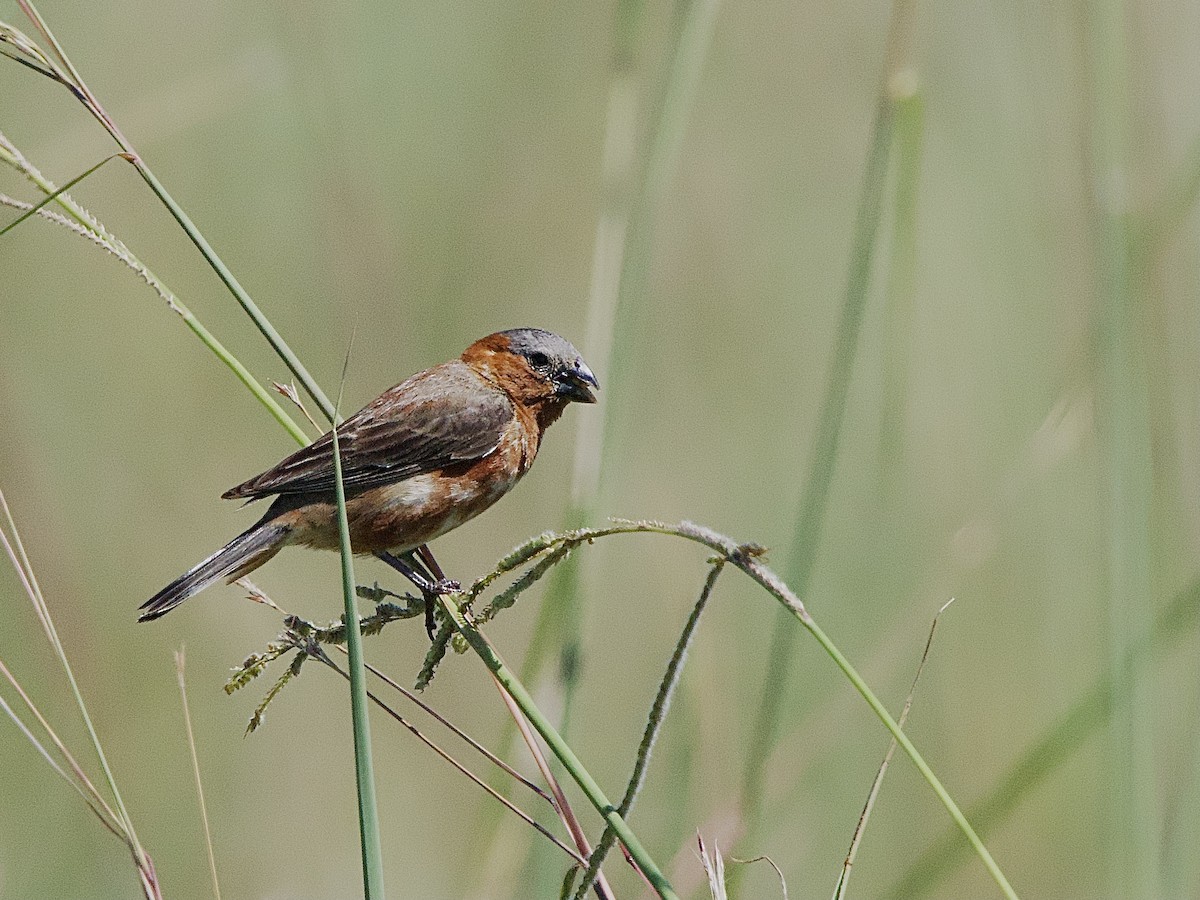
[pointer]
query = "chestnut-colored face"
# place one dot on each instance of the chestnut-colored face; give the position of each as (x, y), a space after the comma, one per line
(550, 367)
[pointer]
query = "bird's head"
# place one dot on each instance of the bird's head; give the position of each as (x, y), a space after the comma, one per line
(533, 366)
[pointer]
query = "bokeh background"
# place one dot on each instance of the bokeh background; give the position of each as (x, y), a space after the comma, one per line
(1021, 431)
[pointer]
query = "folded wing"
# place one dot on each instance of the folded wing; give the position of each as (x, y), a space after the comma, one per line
(437, 418)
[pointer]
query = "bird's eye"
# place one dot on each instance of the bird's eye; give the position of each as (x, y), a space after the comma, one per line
(539, 360)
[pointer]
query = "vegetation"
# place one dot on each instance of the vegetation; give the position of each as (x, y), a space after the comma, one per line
(981, 416)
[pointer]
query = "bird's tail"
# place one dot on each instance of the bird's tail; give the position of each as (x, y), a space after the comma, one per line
(242, 555)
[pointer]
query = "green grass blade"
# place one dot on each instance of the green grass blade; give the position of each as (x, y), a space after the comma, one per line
(84, 223)
(901, 281)
(278, 344)
(559, 747)
(745, 557)
(843, 882)
(180, 676)
(1123, 427)
(35, 208)
(1090, 711)
(654, 723)
(34, 590)
(368, 812)
(807, 535)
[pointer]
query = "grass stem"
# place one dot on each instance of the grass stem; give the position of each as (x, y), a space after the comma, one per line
(810, 520)
(1123, 424)
(191, 739)
(513, 687)
(368, 810)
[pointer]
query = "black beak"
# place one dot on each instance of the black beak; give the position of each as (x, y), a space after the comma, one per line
(574, 384)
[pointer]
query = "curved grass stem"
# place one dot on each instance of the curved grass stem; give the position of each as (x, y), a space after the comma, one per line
(745, 557)
(591, 789)
(654, 723)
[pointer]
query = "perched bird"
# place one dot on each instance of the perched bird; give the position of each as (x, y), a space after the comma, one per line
(420, 459)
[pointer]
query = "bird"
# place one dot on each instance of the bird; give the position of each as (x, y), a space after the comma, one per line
(419, 460)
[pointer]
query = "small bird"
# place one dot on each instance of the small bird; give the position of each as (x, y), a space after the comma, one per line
(420, 459)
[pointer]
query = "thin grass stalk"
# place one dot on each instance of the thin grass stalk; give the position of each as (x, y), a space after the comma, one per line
(474, 744)
(919, 761)
(746, 558)
(807, 535)
(1091, 710)
(93, 801)
(513, 687)
(368, 811)
(1123, 400)
(462, 769)
(901, 274)
(29, 580)
(654, 723)
(1181, 826)
(783, 888)
(35, 208)
(180, 664)
(227, 278)
(636, 173)
(45, 754)
(613, 305)
(843, 882)
(88, 226)
(562, 805)
(81, 781)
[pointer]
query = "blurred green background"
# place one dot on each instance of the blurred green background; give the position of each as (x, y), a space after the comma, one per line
(1022, 430)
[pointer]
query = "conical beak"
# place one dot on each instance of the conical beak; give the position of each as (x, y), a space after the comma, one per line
(575, 384)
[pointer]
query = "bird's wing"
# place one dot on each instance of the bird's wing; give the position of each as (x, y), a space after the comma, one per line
(439, 417)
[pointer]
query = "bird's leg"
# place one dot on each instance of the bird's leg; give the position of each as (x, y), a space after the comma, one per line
(444, 585)
(410, 567)
(428, 584)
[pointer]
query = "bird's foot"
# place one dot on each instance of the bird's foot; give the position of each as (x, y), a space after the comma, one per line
(436, 589)
(446, 586)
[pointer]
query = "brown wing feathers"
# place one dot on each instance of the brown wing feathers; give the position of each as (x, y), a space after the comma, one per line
(418, 426)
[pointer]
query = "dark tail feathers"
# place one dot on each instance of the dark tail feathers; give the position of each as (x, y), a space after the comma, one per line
(242, 555)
